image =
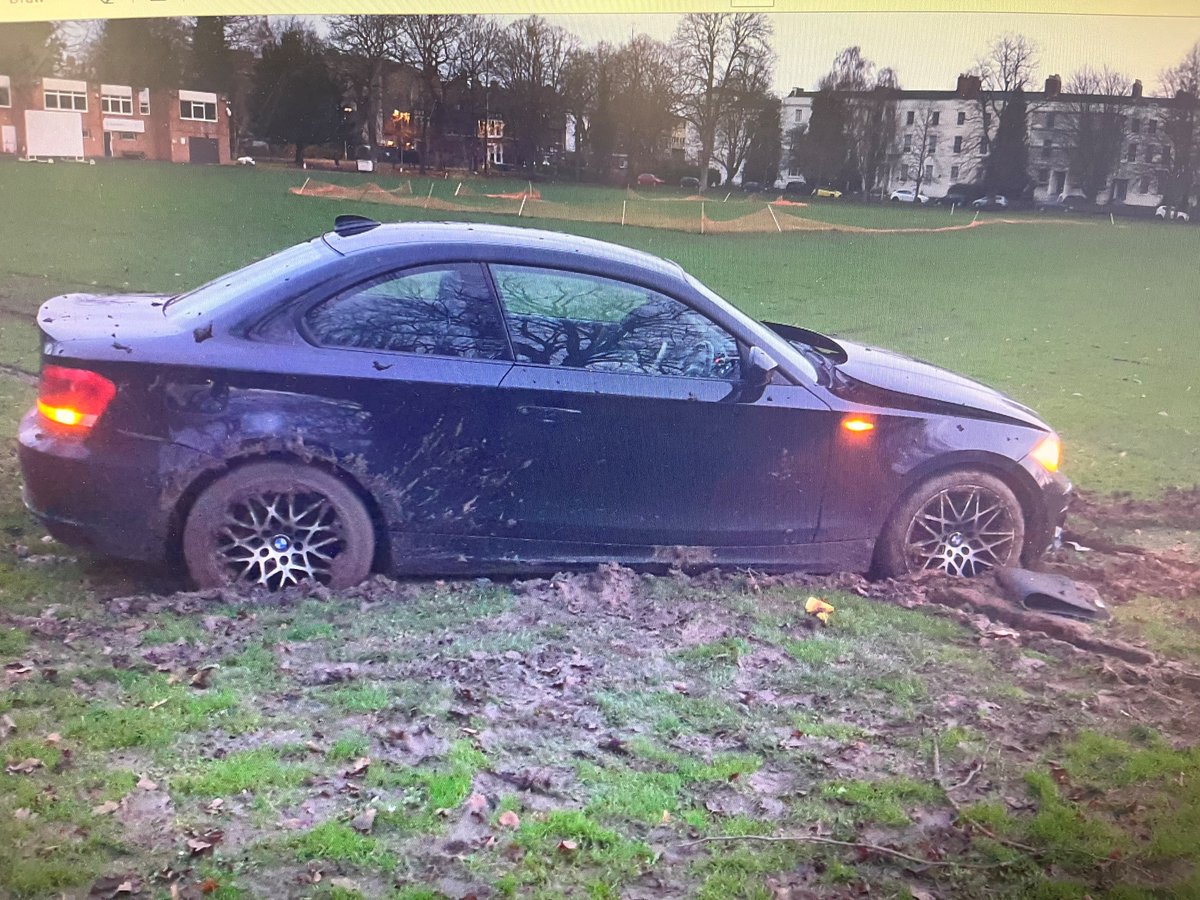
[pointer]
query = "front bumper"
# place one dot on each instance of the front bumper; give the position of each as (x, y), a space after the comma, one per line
(103, 493)
(1048, 515)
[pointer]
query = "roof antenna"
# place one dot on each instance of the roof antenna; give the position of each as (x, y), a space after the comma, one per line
(346, 226)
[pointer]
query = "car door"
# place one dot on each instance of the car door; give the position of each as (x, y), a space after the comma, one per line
(433, 343)
(625, 417)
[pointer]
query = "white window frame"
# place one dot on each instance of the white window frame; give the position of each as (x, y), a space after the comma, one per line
(191, 106)
(116, 104)
(190, 100)
(144, 102)
(6, 87)
(59, 96)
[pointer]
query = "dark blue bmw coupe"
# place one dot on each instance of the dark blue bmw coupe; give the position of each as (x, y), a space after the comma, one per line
(454, 398)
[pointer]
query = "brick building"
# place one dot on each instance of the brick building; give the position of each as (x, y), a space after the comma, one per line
(66, 118)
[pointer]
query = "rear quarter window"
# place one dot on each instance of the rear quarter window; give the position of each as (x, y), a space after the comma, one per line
(277, 269)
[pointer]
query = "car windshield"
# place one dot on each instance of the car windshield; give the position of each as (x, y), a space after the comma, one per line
(771, 341)
(276, 267)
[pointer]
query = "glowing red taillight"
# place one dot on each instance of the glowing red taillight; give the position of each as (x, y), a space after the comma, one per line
(73, 399)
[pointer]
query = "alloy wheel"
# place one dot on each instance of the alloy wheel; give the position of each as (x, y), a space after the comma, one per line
(278, 539)
(963, 530)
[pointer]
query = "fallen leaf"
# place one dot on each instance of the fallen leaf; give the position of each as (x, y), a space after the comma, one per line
(7, 725)
(358, 767)
(613, 745)
(364, 821)
(198, 847)
(215, 805)
(509, 819)
(666, 817)
(203, 675)
(53, 738)
(567, 846)
(125, 887)
(209, 886)
(477, 804)
(24, 767)
(22, 814)
(106, 809)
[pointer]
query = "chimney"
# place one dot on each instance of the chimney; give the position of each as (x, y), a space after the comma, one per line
(1136, 90)
(968, 86)
(1053, 86)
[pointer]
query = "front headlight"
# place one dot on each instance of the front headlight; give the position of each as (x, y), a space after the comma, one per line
(1048, 452)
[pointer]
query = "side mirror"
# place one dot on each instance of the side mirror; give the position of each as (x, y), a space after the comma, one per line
(760, 366)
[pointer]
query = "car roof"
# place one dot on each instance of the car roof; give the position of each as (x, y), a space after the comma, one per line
(495, 236)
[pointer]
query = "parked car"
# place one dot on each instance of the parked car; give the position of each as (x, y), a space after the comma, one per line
(907, 195)
(646, 179)
(1172, 214)
(1069, 203)
(751, 187)
(689, 183)
(798, 188)
(991, 201)
(831, 193)
(460, 398)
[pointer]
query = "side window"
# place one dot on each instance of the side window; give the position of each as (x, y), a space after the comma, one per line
(588, 322)
(436, 310)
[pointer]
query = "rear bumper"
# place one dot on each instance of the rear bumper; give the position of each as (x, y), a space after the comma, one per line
(104, 494)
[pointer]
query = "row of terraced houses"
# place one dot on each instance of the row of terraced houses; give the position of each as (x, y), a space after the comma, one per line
(946, 134)
(60, 118)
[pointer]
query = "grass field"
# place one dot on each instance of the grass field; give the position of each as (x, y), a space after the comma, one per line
(1089, 323)
(608, 734)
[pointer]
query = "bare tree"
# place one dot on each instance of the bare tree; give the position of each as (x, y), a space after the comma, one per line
(646, 85)
(579, 88)
(736, 126)
(1008, 66)
(853, 124)
(1094, 126)
(366, 43)
(473, 66)
(712, 49)
(531, 58)
(920, 145)
(427, 44)
(1182, 83)
(1010, 63)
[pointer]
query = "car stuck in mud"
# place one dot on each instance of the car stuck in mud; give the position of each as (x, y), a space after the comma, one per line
(457, 398)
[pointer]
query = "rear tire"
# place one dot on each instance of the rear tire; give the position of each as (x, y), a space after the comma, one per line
(277, 524)
(964, 522)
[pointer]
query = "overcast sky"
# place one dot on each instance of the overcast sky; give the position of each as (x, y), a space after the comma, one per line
(929, 50)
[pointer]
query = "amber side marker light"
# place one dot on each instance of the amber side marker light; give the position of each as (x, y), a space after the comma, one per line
(1048, 452)
(857, 424)
(73, 398)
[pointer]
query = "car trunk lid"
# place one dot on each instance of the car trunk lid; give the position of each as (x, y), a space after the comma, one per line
(101, 325)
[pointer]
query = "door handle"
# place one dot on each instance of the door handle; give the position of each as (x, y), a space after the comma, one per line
(549, 414)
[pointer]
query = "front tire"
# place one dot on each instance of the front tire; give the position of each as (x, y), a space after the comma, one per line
(278, 524)
(965, 522)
